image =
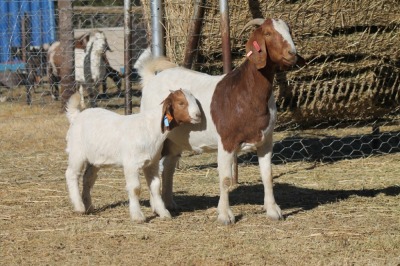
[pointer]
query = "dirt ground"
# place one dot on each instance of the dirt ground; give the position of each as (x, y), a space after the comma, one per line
(345, 212)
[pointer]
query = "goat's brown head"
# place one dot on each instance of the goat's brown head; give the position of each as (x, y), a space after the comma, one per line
(180, 107)
(271, 41)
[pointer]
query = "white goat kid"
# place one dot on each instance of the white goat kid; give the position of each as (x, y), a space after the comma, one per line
(98, 137)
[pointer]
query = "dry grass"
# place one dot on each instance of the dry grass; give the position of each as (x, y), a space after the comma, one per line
(342, 213)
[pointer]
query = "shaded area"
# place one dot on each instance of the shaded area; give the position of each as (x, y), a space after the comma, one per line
(286, 195)
(331, 148)
(327, 149)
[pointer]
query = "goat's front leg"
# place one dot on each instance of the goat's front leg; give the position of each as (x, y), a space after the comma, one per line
(92, 91)
(81, 92)
(225, 162)
(54, 90)
(264, 153)
(154, 184)
(133, 188)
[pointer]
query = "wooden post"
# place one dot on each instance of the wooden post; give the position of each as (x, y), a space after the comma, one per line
(226, 44)
(127, 57)
(67, 71)
(194, 33)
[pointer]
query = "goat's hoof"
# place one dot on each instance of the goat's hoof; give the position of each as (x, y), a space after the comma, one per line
(274, 212)
(90, 209)
(80, 209)
(227, 218)
(172, 206)
(165, 215)
(138, 218)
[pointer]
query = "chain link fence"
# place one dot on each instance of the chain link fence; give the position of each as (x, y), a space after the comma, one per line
(344, 104)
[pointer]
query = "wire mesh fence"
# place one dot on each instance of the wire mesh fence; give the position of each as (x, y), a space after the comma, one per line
(344, 104)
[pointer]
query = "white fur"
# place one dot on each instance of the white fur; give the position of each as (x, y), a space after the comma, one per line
(51, 67)
(98, 137)
(146, 66)
(203, 137)
(281, 27)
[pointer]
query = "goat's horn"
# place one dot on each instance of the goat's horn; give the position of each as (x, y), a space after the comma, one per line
(256, 21)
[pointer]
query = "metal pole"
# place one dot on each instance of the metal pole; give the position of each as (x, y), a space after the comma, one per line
(194, 33)
(226, 45)
(157, 28)
(67, 71)
(127, 57)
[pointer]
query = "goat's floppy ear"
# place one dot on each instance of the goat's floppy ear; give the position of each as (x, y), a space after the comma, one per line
(166, 114)
(256, 50)
(85, 41)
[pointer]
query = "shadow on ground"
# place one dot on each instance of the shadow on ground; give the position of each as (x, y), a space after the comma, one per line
(288, 197)
(327, 149)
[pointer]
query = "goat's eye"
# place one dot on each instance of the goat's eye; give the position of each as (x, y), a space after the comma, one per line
(267, 34)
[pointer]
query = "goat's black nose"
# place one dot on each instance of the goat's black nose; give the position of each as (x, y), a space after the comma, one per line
(291, 52)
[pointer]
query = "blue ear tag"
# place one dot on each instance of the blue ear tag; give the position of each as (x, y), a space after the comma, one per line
(166, 122)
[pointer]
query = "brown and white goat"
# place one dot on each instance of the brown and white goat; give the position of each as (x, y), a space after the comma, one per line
(54, 61)
(239, 110)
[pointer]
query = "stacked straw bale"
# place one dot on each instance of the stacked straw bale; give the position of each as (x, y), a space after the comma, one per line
(352, 49)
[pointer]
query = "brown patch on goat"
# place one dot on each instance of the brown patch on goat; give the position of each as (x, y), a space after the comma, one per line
(81, 41)
(239, 106)
(227, 183)
(136, 191)
(175, 106)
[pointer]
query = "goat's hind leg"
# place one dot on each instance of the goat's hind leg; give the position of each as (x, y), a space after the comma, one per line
(133, 189)
(171, 154)
(89, 178)
(72, 177)
(154, 184)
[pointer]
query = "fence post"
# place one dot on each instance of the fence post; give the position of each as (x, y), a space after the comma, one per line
(194, 33)
(226, 45)
(67, 71)
(127, 57)
(157, 28)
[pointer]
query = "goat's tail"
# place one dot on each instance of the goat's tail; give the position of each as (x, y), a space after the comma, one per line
(147, 66)
(73, 107)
